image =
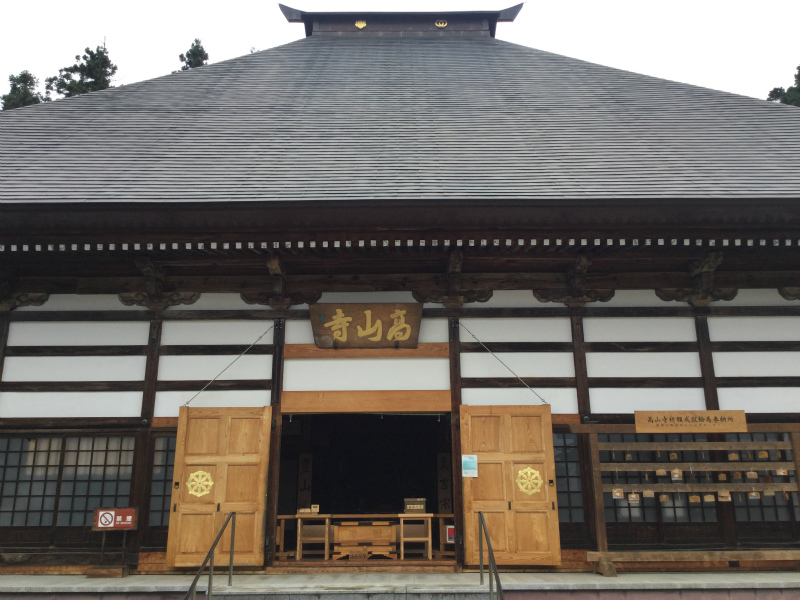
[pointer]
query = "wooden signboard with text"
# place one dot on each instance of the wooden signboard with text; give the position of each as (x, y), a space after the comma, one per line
(690, 421)
(366, 325)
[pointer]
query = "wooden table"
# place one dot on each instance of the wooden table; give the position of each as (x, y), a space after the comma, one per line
(313, 537)
(420, 533)
(361, 539)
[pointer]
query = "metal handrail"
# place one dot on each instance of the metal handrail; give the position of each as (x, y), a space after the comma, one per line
(190, 595)
(482, 529)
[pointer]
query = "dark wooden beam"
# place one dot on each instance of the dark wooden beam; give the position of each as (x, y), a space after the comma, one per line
(706, 363)
(454, 338)
(151, 371)
(579, 360)
(273, 474)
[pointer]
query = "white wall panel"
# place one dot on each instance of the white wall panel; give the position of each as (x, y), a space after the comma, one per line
(665, 329)
(299, 332)
(74, 368)
(765, 297)
(635, 298)
(757, 364)
(524, 364)
(746, 329)
(221, 302)
(206, 368)
(215, 332)
(760, 400)
(514, 299)
(366, 374)
(168, 403)
(561, 400)
(555, 329)
(70, 404)
(433, 331)
(613, 400)
(80, 302)
(78, 333)
(641, 364)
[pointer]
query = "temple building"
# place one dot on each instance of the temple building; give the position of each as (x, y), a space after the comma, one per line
(364, 287)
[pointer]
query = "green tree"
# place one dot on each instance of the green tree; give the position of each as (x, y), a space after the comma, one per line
(196, 56)
(23, 91)
(91, 72)
(790, 96)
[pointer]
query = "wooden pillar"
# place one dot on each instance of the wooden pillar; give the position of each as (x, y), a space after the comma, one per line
(581, 375)
(4, 325)
(455, 429)
(706, 363)
(597, 485)
(141, 475)
(278, 342)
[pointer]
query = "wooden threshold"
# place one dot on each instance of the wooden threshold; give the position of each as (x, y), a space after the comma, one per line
(366, 401)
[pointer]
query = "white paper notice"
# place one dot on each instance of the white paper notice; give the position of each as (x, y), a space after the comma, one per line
(469, 465)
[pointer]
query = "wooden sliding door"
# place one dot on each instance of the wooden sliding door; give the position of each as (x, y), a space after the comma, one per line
(515, 487)
(221, 464)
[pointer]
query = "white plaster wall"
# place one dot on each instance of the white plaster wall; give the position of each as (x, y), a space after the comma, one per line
(555, 329)
(206, 368)
(561, 400)
(70, 404)
(299, 332)
(168, 403)
(80, 302)
(366, 374)
(633, 298)
(765, 297)
(662, 329)
(760, 400)
(220, 302)
(78, 333)
(74, 368)
(614, 400)
(757, 364)
(513, 299)
(754, 329)
(524, 364)
(215, 332)
(640, 364)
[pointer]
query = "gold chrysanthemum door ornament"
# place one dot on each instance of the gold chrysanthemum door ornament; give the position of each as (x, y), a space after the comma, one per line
(199, 483)
(529, 481)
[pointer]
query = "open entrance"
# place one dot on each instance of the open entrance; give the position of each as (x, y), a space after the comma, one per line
(365, 487)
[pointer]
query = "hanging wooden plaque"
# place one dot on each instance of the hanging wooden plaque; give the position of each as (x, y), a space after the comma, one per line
(690, 421)
(365, 325)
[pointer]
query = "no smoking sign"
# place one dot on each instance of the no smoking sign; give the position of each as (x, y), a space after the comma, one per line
(114, 518)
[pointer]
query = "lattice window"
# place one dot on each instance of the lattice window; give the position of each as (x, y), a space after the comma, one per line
(29, 469)
(161, 491)
(672, 507)
(782, 506)
(60, 480)
(96, 473)
(568, 478)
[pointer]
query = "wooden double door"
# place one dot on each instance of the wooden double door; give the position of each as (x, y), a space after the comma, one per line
(516, 484)
(221, 464)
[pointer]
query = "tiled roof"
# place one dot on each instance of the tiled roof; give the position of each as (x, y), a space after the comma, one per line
(400, 119)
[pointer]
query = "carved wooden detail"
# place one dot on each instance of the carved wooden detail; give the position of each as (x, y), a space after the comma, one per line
(11, 301)
(453, 296)
(789, 293)
(576, 292)
(702, 292)
(160, 300)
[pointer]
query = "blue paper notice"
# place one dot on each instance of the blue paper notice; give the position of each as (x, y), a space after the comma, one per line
(469, 465)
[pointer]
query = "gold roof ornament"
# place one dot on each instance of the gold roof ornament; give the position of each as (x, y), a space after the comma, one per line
(361, 24)
(441, 23)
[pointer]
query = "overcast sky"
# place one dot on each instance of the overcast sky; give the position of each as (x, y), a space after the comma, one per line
(744, 47)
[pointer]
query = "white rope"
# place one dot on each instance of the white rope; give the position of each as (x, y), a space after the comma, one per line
(502, 363)
(230, 365)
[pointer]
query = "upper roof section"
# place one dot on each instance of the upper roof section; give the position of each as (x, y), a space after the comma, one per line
(401, 24)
